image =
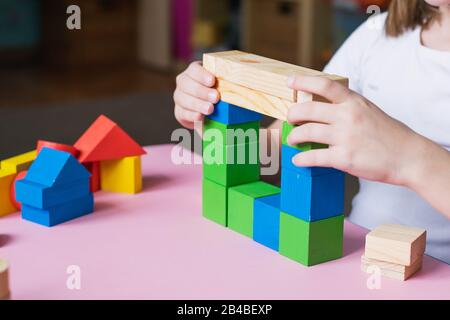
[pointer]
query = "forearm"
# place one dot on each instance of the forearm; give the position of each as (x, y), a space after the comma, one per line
(430, 177)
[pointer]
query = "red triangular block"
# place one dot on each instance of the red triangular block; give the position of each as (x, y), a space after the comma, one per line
(105, 140)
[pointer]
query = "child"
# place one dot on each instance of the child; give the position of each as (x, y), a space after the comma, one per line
(392, 129)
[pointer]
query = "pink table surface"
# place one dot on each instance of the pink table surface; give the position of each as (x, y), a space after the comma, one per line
(156, 245)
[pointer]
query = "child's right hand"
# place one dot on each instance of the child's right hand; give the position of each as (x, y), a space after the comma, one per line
(194, 95)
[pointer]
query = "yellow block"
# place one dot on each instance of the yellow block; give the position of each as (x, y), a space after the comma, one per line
(123, 176)
(6, 179)
(19, 163)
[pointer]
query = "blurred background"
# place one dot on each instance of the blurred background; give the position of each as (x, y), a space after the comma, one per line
(54, 81)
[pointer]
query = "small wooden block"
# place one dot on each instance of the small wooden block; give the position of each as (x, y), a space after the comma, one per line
(215, 202)
(6, 180)
(122, 176)
(4, 280)
(241, 200)
(392, 270)
(311, 243)
(258, 73)
(19, 163)
(396, 243)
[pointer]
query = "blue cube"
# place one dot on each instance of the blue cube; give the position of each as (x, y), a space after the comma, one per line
(227, 113)
(287, 153)
(266, 221)
(312, 198)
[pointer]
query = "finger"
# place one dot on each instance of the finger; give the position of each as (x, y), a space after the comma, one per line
(196, 72)
(311, 132)
(314, 158)
(191, 103)
(197, 90)
(187, 116)
(312, 111)
(324, 87)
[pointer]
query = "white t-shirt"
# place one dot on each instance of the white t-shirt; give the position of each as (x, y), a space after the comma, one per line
(411, 83)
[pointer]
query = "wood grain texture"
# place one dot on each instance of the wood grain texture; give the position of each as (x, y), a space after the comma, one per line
(4, 280)
(258, 73)
(392, 270)
(396, 243)
(253, 100)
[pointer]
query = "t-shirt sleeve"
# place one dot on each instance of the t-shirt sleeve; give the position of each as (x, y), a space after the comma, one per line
(350, 58)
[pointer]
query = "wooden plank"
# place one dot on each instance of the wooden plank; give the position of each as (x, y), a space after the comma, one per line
(4, 280)
(259, 73)
(253, 100)
(392, 270)
(396, 243)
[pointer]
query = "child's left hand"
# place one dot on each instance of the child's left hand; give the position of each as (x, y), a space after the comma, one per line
(363, 140)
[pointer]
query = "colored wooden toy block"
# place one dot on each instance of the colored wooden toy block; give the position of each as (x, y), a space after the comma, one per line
(54, 167)
(61, 213)
(105, 140)
(7, 177)
(312, 198)
(57, 146)
(231, 165)
(396, 244)
(123, 176)
(311, 243)
(258, 83)
(229, 114)
(307, 146)
(12, 195)
(19, 163)
(287, 153)
(42, 197)
(392, 270)
(55, 189)
(4, 280)
(241, 200)
(230, 134)
(266, 221)
(94, 170)
(214, 202)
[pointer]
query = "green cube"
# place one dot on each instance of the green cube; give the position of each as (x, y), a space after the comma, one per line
(214, 202)
(231, 165)
(240, 205)
(307, 146)
(230, 134)
(311, 243)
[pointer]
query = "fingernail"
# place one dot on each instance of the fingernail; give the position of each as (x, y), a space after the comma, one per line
(212, 96)
(210, 80)
(208, 109)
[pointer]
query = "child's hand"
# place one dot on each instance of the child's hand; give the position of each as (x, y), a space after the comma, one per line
(364, 141)
(194, 96)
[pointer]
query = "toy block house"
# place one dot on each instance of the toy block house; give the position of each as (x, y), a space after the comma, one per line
(112, 157)
(55, 189)
(304, 219)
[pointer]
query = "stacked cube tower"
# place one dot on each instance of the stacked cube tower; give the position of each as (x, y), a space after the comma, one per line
(303, 220)
(312, 206)
(231, 168)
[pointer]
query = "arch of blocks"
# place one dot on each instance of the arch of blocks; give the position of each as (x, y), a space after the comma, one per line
(303, 220)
